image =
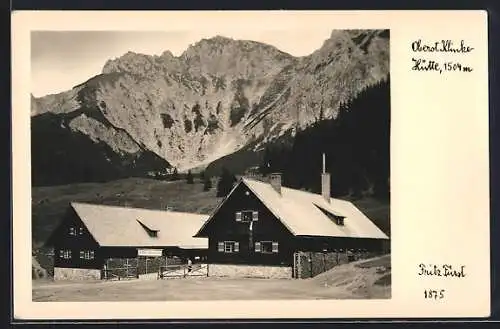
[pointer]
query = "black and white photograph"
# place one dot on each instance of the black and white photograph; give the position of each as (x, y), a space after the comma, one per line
(184, 165)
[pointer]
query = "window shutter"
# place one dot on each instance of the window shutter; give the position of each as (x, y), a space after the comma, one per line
(92, 254)
(236, 247)
(275, 246)
(255, 215)
(238, 216)
(221, 247)
(257, 246)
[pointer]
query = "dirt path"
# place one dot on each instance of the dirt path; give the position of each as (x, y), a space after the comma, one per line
(184, 289)
(358, 280)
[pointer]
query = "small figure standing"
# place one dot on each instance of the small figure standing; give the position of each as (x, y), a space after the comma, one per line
(189, 265)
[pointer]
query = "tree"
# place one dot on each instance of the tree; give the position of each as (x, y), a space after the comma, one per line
(264, 167)
(226, 183)
(207, 183)
(356, 144)
(189, 177)
(175, 174)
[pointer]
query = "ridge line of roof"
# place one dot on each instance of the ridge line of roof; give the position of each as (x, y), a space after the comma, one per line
(136, 208)
(296, 190)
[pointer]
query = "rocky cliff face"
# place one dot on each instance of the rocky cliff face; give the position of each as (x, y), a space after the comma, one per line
(217, 97)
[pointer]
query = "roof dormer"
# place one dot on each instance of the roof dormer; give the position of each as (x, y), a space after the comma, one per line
(152, 232)
(336, 218)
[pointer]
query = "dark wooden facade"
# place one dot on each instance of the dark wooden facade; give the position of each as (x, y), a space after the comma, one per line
(226, 226)
(267, 228)
(75, 247)
(70, 239)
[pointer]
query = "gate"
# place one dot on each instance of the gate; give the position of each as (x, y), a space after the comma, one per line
(151, 268)
(149, 265)
(182, 271)
(120, 269)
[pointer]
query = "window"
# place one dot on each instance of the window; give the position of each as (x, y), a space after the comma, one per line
(73, 231)
(65, 254)
(266, 247)
(247, 216)
(86, 254)
(228, 247)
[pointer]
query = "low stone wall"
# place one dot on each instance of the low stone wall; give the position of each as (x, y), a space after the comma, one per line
(61, 273)
(250, 271)
(149, 276)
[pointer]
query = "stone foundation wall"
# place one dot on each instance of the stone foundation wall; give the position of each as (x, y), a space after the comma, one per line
(250, 271)
(149, 276)
(61, 273)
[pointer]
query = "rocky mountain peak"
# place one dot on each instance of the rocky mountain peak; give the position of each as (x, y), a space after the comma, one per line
(220, 94)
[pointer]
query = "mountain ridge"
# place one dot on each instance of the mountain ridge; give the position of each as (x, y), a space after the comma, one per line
(219, 95)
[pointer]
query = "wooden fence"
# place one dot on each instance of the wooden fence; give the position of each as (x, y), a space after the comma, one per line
(130, 268)
(182, 271)
(120, 273)
(310, 264)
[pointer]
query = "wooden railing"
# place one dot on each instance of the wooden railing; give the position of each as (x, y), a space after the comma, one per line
(182, 271)
(119, 273)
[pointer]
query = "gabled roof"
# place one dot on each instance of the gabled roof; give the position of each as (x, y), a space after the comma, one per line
(299, 213)
(113, 226)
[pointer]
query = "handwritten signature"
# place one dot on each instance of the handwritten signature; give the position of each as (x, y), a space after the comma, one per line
(444, 270)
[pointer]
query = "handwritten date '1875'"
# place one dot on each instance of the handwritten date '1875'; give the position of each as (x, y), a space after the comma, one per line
(434, 294)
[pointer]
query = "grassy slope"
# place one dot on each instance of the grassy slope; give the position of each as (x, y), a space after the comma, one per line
(362, 279)
(50, 203)
(378, 211)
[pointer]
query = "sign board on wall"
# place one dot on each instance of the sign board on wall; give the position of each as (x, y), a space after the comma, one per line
(149, 252)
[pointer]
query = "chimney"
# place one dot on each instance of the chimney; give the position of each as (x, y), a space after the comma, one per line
(325, 182)
(275, 181)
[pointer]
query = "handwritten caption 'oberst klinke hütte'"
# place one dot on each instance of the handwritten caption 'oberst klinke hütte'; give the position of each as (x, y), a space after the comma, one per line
(427, 63)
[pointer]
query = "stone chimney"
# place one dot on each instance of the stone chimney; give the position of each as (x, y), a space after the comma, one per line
(275, 181)
(325, 182)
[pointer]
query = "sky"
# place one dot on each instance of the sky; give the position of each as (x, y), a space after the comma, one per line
(61, 60)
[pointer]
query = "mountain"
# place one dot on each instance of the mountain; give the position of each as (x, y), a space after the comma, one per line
(355, 143)
(220, 96)
(75, 147)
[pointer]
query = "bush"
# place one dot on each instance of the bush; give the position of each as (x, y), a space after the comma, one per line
(189, 178)
(226, 183)
(207, 183)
